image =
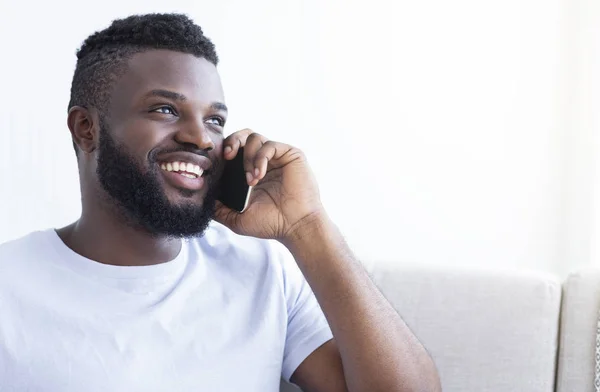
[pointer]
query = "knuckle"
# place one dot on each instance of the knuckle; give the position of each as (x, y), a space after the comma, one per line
(300, 154)
(254, 136)
(270, 144)
(295, 154)
(239, 136)
(259, 158)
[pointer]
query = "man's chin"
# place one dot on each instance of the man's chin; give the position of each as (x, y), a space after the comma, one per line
(180, 223)
(177, 196)
(186, 216)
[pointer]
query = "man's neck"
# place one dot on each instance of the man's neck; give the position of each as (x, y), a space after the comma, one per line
(98, 235)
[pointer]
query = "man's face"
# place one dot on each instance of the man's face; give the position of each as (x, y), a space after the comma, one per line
(160, 149)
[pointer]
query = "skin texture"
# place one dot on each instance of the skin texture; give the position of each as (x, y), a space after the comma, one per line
(372, 349)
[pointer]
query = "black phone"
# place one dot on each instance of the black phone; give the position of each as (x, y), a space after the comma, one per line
(234, 190)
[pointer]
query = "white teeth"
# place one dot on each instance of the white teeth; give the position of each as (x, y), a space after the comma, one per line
(185, 169)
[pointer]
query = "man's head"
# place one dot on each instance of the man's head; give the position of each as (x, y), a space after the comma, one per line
(147, 115)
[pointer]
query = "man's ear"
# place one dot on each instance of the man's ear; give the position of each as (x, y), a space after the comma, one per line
(84, 125)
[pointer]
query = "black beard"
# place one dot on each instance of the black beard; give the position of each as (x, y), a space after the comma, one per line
(139, 196)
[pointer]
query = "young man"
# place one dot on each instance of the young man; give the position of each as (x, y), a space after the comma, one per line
(145, 293)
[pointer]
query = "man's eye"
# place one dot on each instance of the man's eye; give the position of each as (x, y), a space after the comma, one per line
(164, 110)
(216, 121)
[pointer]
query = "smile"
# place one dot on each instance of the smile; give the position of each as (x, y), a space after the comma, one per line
(186, 169)
(183, 175)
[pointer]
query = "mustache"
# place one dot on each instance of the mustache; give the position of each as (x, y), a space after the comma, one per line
(154, 153)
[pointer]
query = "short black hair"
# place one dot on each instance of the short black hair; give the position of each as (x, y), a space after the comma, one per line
(103, 56)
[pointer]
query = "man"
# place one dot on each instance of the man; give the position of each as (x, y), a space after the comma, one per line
(145, 292)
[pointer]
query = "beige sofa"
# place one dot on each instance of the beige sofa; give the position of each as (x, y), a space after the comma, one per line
(498, 330)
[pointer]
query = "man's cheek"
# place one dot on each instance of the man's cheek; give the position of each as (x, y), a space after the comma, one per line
(217, 171)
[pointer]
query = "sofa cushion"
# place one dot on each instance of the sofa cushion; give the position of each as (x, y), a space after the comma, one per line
(579, 320)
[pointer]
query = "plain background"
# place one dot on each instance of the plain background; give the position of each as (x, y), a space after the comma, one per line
(452, 133)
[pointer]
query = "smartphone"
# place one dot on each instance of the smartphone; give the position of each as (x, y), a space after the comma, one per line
(235, 191)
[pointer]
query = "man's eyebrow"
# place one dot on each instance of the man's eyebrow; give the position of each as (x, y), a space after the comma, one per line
(167, 94)
(216, 106)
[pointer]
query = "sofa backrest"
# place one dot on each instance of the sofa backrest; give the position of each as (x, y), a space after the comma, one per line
(579, 323)
(493, 331)
(486, 330)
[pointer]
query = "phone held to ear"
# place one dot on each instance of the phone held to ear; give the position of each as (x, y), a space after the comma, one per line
(235, 191)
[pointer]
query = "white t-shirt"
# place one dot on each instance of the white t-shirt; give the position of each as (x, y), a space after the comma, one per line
(229, 313)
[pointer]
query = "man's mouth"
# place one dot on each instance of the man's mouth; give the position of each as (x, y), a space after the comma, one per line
(183, 175)
(185, 169)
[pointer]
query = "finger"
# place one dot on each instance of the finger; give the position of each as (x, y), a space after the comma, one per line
(233, 142)
(254, 143)
(225, 215)
(267, 152)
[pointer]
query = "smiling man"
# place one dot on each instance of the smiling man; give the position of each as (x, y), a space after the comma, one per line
(158, 286)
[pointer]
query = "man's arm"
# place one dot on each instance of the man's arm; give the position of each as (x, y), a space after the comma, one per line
(373, 349)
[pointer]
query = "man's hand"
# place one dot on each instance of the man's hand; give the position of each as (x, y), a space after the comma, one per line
(284, 195)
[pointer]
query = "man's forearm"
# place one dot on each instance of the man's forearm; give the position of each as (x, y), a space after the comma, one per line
(378, 351)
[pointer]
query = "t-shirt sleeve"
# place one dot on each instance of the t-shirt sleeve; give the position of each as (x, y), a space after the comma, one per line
(307, 328)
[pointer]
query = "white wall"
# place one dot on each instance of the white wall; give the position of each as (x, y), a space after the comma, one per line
(439, 130)
(582, 229)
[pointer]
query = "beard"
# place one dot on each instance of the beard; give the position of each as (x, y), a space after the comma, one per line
(139, 198)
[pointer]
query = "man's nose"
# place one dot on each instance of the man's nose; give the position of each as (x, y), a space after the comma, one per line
(196, 134)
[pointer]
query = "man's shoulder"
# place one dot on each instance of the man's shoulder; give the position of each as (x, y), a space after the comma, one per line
(23, 245)
(22, 255)
(222, 243)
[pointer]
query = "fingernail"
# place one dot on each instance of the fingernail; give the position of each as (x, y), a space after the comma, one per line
(249, 177)
(228, 149)
(256, 172)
